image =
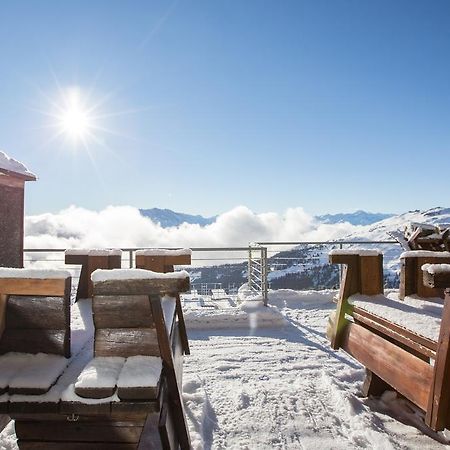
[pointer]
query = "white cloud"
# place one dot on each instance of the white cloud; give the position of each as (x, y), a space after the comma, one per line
(123, 226)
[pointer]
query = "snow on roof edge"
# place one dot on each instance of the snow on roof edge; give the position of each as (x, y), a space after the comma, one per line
(9, 164)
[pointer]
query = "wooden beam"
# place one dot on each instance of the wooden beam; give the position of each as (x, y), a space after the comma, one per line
(34, 286)
(438, 411)
(403, 371)
(371, 273)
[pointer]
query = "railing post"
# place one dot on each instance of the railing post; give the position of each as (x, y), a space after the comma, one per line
(131, 258)
(264, 282)
(249, 277)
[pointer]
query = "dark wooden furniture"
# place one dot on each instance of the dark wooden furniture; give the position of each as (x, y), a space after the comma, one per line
(163, 260)
(411, 275)
(91, 260)
(394, 356)
(129, 319)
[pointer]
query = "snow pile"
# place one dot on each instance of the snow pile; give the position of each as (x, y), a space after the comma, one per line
(424, 254)
(12, 165)
(94, 251)
(423, 317)
(355, 251)
(39, 274)
(164, 252)
(101, 372)
(436, 268)
(140, 371)
(101, 275)
(8, 440)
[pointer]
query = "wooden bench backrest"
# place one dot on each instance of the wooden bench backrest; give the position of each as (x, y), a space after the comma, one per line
(412, 280)
(35, 315)
(124, 317)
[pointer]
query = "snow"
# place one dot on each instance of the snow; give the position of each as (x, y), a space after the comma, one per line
(11, 363)
(140, 371)
(355, 251)
(423, 317)
(424, 254)
(39, 371)
(101, 372)
(164, 252)
(12, 165)
(436, 268)
(284, 388)
(168, 305)
(9, 272)
(69, 395)
(101, 275)
(94, 252)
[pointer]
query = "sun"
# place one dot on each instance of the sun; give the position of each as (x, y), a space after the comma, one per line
(74, 119)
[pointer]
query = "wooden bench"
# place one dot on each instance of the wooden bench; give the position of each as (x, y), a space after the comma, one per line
(91, 260)
(136, 328)
(386, 336)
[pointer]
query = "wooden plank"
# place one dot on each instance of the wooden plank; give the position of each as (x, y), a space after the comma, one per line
(438, 412)
(94, 431)
(36, 312)
(78, 408)
(30, 445)
(403, 371)
(421, 340)
(371, 273)
(141, 407)
(97, 392)
(137, 417)
(153, 286)
(173, 391)
(146, 393)
(408, 280)
(126, 342)
(374, 385)
(122, 311)
(350, 284)
(426, 352)
(32, 408)
(94, 263)
(35, 341)
(3, 303)
(150, 438)
(33, 286)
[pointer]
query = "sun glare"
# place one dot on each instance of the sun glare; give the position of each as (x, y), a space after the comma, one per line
(74, 117)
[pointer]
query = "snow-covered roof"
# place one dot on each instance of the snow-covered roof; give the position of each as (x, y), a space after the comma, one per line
(10, 166)
(424, 254)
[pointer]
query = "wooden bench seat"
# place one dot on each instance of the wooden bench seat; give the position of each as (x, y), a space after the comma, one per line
(403, 344)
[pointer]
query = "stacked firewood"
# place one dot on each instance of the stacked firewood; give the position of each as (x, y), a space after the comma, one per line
(423, 236)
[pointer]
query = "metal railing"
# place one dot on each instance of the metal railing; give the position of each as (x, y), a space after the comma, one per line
(258, 260)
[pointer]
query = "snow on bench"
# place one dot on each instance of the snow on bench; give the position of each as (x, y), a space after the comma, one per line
(355, 251)
(139, 378)
(99, 378)
(422, 317)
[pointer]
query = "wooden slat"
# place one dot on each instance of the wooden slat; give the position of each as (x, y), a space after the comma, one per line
(393, 335)
(30, 445)
(438, 413)
(141, 407)
(78, 408)
(420, 340)
(94, 431)
(3, 303)
(33, 286)
(150, 437)
(154, 286)
(408, 279)
(32, 407)
(173, 391)
(146, 393)
(371, 273)
(126, 342)
(35, 341)
(36, 312)
(122, 311)
(406, 373)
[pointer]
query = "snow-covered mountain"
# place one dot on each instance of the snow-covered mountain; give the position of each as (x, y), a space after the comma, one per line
(356, 218)
(310, 267)
(168, 218)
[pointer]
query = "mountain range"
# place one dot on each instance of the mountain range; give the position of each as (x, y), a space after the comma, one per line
(168, 218)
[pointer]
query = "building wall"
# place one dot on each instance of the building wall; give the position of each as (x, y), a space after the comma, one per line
(11, 222)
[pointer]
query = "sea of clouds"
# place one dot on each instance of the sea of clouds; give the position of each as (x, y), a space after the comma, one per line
(124, 226)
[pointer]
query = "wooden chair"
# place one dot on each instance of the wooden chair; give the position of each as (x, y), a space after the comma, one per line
(34, 329)
(91, 260)
(136, 328)
(395, 355)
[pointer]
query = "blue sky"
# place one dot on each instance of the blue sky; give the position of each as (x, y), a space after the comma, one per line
(329, 105)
